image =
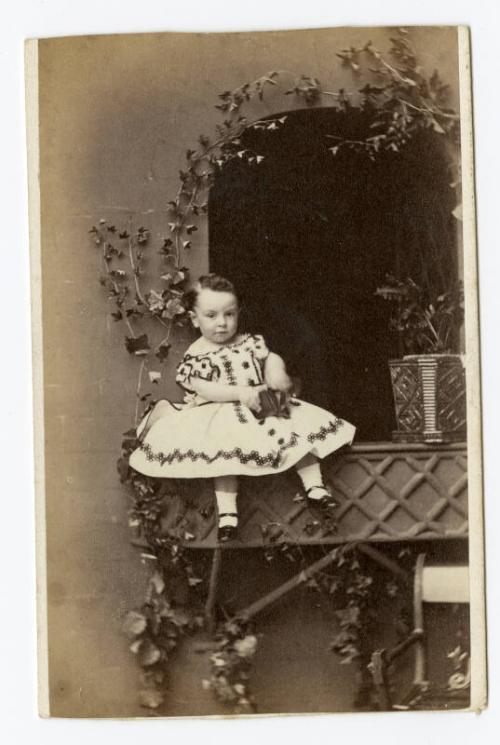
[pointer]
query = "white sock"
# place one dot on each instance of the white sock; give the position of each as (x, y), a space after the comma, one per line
(226, 502)
(310, 475)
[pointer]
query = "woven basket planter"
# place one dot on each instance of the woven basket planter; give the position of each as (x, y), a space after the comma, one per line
(429, 396)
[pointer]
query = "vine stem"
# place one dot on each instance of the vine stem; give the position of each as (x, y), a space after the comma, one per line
(116, 289)
(167, 337)
(133, 267)
(136, 280)
(434, 112)
(138, 390)
(130, 327)
(395, 73)
(347, 142)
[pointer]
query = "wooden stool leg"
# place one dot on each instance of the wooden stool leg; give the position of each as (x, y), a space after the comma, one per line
(212, 591)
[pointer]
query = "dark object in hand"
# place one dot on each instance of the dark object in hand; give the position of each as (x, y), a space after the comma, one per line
(272, 403)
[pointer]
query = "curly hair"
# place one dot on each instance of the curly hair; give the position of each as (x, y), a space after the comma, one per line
(208, 282)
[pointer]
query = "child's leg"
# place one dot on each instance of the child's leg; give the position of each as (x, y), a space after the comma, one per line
(311, 477)
(226, 490)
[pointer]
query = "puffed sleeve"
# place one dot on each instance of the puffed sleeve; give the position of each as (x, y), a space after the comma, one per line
(259, 347)
(196, 367)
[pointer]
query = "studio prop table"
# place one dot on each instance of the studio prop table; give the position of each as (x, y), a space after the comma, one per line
(388, 492)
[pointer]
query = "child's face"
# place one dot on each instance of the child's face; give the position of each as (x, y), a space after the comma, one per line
(216, 315)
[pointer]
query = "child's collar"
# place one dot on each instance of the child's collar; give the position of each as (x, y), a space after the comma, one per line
(202, 346)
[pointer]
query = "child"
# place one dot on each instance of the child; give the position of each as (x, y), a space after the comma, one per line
(217, 432)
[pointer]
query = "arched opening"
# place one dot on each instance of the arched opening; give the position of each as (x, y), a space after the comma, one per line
(309, 237)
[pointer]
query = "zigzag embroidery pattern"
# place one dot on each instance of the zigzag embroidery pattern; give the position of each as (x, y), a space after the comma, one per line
(272, 459)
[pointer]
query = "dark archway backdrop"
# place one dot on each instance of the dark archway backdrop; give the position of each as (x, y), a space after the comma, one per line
(308, 237)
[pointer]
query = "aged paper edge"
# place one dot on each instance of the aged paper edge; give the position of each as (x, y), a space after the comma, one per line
(33, 149)
(474, 438)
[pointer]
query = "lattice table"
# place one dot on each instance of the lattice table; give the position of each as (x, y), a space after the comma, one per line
(388, 492)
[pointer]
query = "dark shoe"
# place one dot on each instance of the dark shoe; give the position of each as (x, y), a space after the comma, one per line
(326, 504)
(227, 533)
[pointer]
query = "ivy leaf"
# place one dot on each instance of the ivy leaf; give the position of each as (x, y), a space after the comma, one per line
(437, 127)
(150, 698)
(190, 229)
(149, 654)
(392, 589)
(118, 274)
(246, 647)
(137, 345)
(158, 583)
(156, 301)
(124, 235)
(179, 618)
(123, 469)
(134, 624)
(162, 352)
(175, 277)
(154, 376)
(348, 616)
(173, 308)
(186, 245)
(349, 654)
(117, 315)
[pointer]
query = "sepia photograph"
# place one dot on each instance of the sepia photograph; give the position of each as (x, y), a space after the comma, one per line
(256, 373)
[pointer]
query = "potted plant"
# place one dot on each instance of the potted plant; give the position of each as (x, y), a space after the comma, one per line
(429, 381)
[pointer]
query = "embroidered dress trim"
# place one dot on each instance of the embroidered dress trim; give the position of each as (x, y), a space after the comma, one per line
(272, 459)
(323, 433)
(226, 362)
(239, 413)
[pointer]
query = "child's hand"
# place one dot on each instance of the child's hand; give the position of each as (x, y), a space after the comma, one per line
(249, 396)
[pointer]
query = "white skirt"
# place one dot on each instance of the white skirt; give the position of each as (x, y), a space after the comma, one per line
(219, 439)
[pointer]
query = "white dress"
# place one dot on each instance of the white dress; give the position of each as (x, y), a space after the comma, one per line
(200, 439)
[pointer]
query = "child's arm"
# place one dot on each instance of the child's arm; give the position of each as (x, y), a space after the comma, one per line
(275, 373)
(220, 393)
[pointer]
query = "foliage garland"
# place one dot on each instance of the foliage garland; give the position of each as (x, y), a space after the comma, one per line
(402, 101)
